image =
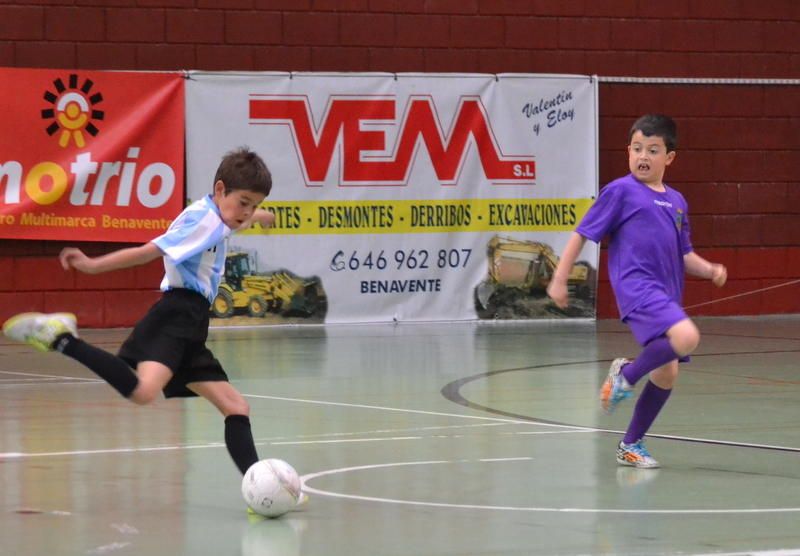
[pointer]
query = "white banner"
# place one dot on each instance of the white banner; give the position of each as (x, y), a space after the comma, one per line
(408, 197)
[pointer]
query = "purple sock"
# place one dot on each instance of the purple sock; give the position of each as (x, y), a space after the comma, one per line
(647, 409)
(655, 354)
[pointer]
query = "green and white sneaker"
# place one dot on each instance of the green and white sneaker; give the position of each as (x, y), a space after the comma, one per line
(40, 329)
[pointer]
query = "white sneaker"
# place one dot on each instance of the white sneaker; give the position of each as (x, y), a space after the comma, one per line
(636, 455)
(40, 329)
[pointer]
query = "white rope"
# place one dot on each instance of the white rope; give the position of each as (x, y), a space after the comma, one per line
(742, 294)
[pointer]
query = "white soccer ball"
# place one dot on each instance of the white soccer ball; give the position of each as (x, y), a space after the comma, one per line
(271, 487)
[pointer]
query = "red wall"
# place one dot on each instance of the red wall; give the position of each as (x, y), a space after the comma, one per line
(739, 147)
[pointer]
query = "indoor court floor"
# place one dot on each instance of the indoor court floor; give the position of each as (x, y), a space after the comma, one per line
(413, 439)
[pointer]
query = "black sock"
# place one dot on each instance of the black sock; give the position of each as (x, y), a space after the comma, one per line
(239, 440)
(106, 365)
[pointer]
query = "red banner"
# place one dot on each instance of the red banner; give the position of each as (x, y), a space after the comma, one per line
(90, 155)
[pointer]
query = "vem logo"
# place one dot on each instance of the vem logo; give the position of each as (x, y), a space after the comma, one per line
(352, 125)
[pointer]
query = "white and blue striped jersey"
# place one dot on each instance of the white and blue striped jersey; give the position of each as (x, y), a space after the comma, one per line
(194, 249)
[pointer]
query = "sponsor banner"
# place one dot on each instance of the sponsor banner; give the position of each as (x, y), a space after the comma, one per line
(90, 155)
(406, 197)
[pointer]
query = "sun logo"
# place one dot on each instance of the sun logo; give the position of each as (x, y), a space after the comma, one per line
(72, 111)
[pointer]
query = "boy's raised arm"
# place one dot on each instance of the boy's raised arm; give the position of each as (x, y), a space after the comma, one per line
(72, 257)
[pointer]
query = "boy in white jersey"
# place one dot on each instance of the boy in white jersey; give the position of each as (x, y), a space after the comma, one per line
(167, 347)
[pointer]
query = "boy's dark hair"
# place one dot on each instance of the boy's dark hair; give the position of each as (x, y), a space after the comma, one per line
(243, 169)
(658, 125)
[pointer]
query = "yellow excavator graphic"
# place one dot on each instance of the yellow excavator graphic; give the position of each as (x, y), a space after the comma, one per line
(521, 268)
(277, 292)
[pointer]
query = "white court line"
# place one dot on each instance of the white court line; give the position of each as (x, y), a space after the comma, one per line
(344, 441)
(14, 383)
(384, 431)
(638, 511)
(419, 411)
(491, 460)
(574, 428)
(571, 428)
(17, 384)
(49, 376)
(107, 451)
(779, 552)
(548, 432)
(13, 379)
(19, 455)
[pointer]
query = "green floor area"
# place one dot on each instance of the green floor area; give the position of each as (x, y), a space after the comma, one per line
(427, 439)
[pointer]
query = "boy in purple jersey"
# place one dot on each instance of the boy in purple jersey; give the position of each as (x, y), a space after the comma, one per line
(166, 351)
(649, 251)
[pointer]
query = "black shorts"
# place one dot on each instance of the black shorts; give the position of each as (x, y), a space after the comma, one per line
(173, 333)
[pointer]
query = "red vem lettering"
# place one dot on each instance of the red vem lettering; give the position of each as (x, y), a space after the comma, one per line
(342, 125)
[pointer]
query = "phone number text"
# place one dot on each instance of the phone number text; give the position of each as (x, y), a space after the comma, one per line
(400, 259)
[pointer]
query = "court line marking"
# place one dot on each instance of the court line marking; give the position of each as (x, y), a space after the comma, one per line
(492, 460)
(274, 442)
(21, 383)
(418, 411)
(382, 431)
(343, 440)
(570, 428)
(21, 380)
(41, 375)
(778, 552)
(533, 421)
(321, 492)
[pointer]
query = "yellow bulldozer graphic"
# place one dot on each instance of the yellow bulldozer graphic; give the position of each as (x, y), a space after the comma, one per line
(277, 292)
(525, 268)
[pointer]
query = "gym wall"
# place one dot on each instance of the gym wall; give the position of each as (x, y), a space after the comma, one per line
(739, 145)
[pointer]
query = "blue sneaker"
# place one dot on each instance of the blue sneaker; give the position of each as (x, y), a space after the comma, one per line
(635, 455)
(615, 389)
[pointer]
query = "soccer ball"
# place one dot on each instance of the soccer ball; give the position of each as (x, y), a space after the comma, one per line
(271, 487)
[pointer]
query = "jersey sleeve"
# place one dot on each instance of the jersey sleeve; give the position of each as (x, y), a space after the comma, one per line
(604, 215)
(686, 240)
(192, 232)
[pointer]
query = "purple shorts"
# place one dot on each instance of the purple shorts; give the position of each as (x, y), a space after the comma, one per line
(653, 318)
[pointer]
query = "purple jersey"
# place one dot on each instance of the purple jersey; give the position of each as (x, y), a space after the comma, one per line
(648, 237)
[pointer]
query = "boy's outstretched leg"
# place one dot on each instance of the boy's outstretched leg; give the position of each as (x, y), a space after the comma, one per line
(59, 332)
(631, 450)
(238, 435)
(239, 441)
(654, 396)
(648, 406)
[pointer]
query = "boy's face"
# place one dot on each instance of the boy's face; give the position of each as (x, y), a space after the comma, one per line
(648, 158)
(237, 206)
